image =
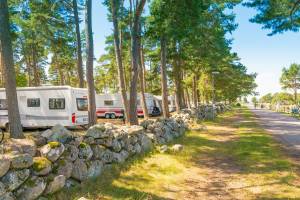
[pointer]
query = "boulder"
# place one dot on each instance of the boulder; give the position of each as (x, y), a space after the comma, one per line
(163, 149)
(52, 150)
(31, 189)
(161, 140)
(71, 183)
(70, 153)
(4, 165)
(168, 137)
(20, 161)
(137, 148)
(146, 143)
(158, 131)
(152, 137)
(85, 151)
(146, 123)
(14, 178)
(120, 157)
(107, 156)
(79, 171)
(63, 167)
(2, 189)
(20, 145)
(55, 184)
(83, 198)
(177, 148)
(98, 151)
(94, 168)
(116, 146)
(133, 139)
(7, 196)
(133, 130)
(98, 131)
(76, 141)
(107, 142)
(58, 133)
(41, 166)
(89, 140)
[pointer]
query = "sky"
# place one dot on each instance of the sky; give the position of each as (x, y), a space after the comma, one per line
(265, 55)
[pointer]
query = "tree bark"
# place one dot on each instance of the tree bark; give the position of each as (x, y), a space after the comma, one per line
(36, 73)
(133, 120)
(10, 76)
(89, 63)
(141, 77)
(122, 82)
(178, 91)
(163, 71)
(188, 102)
(78, 45)
(194, 92)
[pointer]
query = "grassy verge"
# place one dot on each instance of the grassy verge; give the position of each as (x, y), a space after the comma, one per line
(232, 158)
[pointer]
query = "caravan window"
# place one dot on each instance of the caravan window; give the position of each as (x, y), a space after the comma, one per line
(82, 104)
(108, 103)
(57, 104)
(3, 104)
(33, 102)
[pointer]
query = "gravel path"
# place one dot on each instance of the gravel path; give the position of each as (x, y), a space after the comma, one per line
(286, 129)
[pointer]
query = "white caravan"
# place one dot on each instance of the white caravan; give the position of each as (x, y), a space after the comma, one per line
(111, 105)
(47, 106)
(171, 102)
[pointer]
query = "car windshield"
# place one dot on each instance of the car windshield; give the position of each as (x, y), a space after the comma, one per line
(82, 104)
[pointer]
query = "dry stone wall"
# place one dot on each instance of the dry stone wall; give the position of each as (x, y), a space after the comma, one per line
(57, 158)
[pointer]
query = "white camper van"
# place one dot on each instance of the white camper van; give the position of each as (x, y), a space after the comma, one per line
(171, 102)
(47, 106)
(111, 105)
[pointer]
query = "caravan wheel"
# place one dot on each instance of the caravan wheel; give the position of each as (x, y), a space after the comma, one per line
(7, 127)
(107, 116)
(113, 116)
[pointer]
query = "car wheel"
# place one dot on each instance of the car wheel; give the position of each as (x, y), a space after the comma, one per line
(107, 116)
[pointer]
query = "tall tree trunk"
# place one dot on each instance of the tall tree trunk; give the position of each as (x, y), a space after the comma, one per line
(141, 77)
(122, 82)
(78, 43)
(10, 76)
(194, 92)
(89, 63)
(188, 102)
(36, 73)
(296, 96)
(133, 120)
(178, 91)
(163, 71)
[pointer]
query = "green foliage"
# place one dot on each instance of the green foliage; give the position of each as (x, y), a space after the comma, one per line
(254, 100)
(282, 98)
(266, 98)
(277, 15)
(290, 78)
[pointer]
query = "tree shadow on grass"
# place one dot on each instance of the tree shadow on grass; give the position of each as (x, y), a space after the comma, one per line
(103, 187)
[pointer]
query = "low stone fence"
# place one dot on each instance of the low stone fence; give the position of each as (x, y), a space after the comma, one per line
(58, 158)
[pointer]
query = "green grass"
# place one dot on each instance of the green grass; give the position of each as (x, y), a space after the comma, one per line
(257, 167)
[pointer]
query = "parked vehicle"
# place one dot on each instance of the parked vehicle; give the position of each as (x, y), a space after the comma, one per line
(171, 102)
(47, 106)
(111, 106)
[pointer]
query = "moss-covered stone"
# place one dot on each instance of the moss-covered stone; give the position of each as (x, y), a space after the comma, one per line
(54, 145)
(82, 145)
(40, 163)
